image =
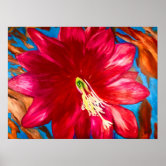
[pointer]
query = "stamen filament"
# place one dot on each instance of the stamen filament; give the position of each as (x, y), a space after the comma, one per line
(91, 102)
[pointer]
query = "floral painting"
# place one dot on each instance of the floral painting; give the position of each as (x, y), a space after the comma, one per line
(82, 82)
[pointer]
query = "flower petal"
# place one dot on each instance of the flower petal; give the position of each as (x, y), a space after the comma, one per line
(50, 48)
(90, 31)
(123, 56)
(125, 123)
(32, 61)
(98, 131)
(24, 83)
(99, 49)
(72, 35)
(82, 127)
(64, 120)
(130, 75)
(96, 127)
(74, 40)
(102, 44)
(63, 129)
(32, 85)
(124, 91)
(120, 62)
(38, 113)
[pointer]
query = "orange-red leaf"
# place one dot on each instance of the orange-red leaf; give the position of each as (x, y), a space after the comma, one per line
(145, 120)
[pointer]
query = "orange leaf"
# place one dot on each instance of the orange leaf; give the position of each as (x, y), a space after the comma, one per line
(145, 120)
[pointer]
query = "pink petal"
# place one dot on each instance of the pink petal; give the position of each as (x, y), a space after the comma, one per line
(64, 120)
(120, 62)
(123, 56)
(102, 44)
(33, 61)
(124, 91)
(50, 48)
(74, 40)
(38, 113)
(96, 124)
(98, 131)
(99, 49)
(31, 85)
(72, 35)
(63, 129)
(125, 123)
(108, 133)
(82, 127)
(90, 31)
(130, 75)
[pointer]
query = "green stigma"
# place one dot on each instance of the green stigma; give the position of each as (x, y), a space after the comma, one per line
(81, 85)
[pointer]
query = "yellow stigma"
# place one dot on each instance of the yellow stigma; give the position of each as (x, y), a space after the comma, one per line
(91, 102)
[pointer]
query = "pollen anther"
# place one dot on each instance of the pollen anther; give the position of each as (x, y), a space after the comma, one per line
(91, 102)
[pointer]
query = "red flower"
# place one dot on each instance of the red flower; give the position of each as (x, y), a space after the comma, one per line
(78, 82)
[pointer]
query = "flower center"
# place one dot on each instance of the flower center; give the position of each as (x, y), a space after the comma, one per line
(91, 102)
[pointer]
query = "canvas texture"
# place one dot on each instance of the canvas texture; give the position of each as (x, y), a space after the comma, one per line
(82, 83)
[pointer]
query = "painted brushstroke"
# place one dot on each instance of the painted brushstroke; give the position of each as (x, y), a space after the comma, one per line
(80, 81)
(145, 120)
